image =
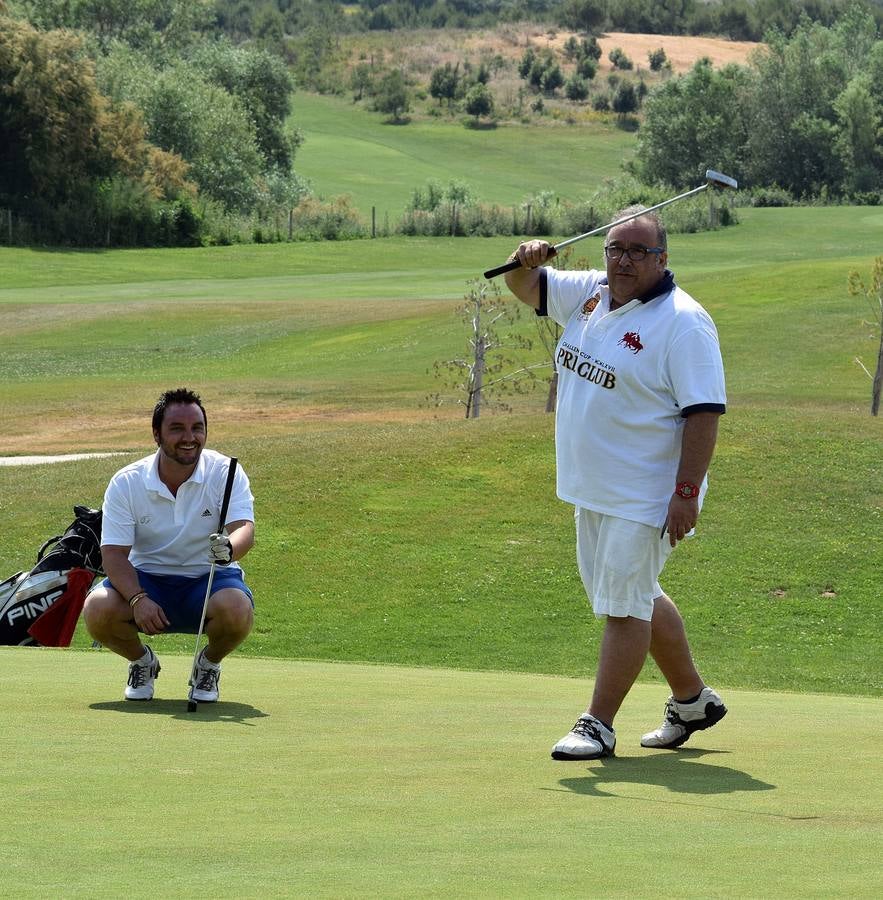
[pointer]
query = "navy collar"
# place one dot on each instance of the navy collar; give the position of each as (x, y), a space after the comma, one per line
(664, 286)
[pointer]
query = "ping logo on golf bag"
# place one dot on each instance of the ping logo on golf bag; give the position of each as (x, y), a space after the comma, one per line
(24, 603)
(64, 571)
(632, 340)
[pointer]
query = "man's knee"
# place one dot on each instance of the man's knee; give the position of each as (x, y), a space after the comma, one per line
(101, 605)
(231, 610)
(103, 609)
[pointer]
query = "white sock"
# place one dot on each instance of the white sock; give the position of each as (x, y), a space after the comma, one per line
(207, 662)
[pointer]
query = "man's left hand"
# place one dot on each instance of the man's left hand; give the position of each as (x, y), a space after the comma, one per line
(682, 516)
(220, 549)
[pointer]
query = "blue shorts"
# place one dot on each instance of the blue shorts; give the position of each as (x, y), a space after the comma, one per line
(181, 597)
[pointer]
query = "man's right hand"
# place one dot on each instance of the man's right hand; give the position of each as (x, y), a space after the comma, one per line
(525, 281)
(149, 616)
(534, 253)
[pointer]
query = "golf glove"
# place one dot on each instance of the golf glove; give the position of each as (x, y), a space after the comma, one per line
(220, 549)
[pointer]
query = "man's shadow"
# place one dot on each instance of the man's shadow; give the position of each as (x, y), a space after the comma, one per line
(677, 771)
(221, 711)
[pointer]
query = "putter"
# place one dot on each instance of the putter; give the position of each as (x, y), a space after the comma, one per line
(192, 704)
(712, 179)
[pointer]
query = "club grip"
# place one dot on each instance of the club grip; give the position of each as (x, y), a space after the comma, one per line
(506, 267)
(516, 264)
(228, 489)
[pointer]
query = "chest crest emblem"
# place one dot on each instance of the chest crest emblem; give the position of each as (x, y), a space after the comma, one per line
(632, 340)
(589, 305)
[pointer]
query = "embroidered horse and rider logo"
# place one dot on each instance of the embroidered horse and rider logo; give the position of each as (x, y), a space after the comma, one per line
(632, 340)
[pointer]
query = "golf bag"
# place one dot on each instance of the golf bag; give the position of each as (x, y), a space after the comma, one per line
(42, 606)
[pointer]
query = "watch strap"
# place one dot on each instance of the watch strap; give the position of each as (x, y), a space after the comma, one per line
(687, 490)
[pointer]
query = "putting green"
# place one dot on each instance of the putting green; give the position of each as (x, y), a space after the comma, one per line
(333, 780)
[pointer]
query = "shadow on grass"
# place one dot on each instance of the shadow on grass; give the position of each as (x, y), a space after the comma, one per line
(677, 771)
(238, 713)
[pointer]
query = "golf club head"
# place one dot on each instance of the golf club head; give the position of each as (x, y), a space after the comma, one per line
(718, 179)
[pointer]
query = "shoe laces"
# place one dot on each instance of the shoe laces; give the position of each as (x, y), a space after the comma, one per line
(207, 678)
(138, 675)
(671, 716)
(588, 728)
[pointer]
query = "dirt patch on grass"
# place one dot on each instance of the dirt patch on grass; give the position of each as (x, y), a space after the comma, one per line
(56, 458)
(227, 423)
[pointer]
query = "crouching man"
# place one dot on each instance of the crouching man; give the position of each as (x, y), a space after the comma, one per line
(159, 539)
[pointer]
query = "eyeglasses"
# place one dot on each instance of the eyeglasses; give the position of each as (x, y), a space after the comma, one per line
(635, 254)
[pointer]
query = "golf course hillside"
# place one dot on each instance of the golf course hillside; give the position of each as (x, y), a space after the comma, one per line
(351, 150)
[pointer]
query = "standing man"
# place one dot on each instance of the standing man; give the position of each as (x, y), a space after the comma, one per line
(640, 390)
(159, 538)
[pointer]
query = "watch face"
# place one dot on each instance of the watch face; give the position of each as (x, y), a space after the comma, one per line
(687, 491)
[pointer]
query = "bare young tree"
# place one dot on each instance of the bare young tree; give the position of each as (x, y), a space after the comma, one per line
(493, 370)
(873, 293)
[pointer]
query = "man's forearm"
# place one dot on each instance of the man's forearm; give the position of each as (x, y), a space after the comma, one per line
(122, 574)
(241, 536)
(697, 446)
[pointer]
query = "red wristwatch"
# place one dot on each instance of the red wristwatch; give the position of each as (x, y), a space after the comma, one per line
(687, 490)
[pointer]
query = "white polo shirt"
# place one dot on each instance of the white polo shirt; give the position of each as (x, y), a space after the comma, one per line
(625, 378)
(169, 534)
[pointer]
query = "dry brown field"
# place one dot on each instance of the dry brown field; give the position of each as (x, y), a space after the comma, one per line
(422, 51)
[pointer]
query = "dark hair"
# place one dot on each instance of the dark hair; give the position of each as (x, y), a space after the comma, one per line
(661, 233)
(178, 395)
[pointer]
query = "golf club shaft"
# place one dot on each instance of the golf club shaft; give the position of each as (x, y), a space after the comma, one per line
(228, 489)
(515, 264)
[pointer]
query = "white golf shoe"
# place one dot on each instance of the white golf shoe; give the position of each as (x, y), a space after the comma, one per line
(142, 673)
(682, 719)
(588, 739)
(204, 680)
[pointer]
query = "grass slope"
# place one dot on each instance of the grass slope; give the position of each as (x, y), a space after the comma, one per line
(318, 779)
(394, 533)
(348, 150)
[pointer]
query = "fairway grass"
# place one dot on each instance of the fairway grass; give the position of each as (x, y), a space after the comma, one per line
(351, 151)
(396, 533)
(333, 780)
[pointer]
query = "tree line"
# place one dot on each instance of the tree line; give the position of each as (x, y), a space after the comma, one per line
(126, 122)
(133, 122)
(738, 20)
(803, 120)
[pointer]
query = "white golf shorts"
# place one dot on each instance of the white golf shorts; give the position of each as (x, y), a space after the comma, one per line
(619, 562)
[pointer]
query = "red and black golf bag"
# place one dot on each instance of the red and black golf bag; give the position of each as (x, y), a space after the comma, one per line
(42, 606)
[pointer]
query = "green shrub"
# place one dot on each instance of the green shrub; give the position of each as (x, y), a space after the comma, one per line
(619, 60)
(770, 196)
(336, 220)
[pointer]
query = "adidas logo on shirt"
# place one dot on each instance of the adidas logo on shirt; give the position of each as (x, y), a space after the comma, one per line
(206, 513)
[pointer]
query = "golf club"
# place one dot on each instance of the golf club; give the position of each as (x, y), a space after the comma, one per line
(192, 705)
(712, 179)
